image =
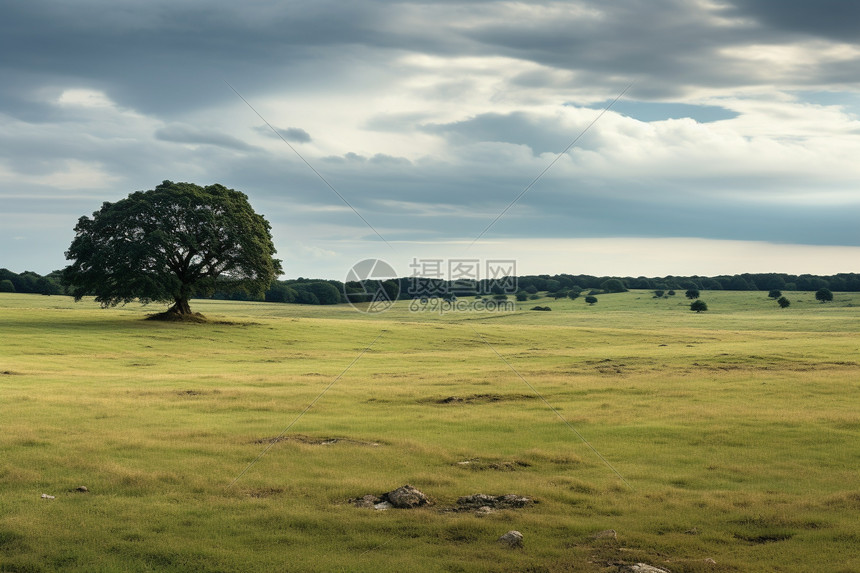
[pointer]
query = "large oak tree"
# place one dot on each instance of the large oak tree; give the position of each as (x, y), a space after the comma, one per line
(169, 244)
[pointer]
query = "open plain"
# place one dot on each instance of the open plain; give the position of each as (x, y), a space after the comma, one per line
(727, 440)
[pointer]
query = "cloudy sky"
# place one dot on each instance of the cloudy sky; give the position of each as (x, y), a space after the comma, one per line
(735, 149)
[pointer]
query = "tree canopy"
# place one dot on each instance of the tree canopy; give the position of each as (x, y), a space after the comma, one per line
(171, 243)
(824, 295)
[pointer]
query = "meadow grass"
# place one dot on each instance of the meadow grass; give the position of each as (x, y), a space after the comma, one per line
(730, 435)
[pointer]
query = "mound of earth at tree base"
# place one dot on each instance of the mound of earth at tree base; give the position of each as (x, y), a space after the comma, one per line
(171, 316)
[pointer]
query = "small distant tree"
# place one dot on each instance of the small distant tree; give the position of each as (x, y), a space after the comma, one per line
(560, 294)
(522, 295)
(692, 293)
(824, 295)
(774, 294)
(7, 286)
(698, 306)
(591, 300)
(671, 293)
(573, 294)
(659, 293)
(783, 302)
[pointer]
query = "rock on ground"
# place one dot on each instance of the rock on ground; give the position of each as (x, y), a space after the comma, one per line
(406, 497)
(512, 539)
(367, 501)
(480, 500)
(642, 568)
(608, 534)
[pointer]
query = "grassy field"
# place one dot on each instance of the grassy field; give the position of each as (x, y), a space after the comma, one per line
(729, 438)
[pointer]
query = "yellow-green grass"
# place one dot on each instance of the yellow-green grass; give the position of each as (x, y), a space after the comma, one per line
(735, 432)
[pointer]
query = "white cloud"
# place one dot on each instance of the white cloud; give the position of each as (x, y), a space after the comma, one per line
(65, 174)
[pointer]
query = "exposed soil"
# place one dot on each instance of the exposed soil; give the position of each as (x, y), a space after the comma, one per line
(314, 441)
(169, 316)
(480, 398)
(265, 492)
(477, 464)
(481, 500)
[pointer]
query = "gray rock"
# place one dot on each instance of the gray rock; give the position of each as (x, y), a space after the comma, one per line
(642, 568)
(513, 539)
(382, 506)
(368, 501)
(82, 489)
(484, 511)
(480, 500)
(406, 497)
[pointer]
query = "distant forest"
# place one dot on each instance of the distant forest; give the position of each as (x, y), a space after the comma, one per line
(320, 291)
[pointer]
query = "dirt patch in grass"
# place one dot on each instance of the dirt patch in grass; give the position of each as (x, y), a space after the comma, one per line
(762, 529)
(315, 441)
(261, 493)
(477, 464)
(9, 373)
(479, 398)
(483, 504)
(196, 392)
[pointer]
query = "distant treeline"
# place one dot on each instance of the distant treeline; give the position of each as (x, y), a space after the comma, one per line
(320, 291)
(310, 291)
(30, 282)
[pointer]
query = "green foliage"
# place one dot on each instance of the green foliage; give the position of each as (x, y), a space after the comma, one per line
(591, 299)
(522, 296)
(613, 285)
(659, 293)
(7, 286)
(280, 292)
(824, 295)
(171, 243)
(573, 294)
(692, 293)
(698, 306)
(774, 293)
(316, 292)
(783, 302)
(671, 293)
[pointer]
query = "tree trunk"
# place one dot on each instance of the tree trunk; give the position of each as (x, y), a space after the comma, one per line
(180, 307)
